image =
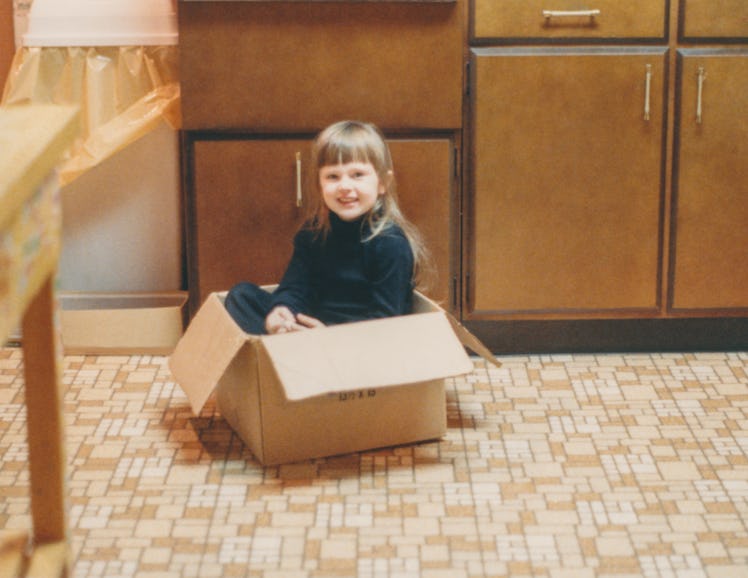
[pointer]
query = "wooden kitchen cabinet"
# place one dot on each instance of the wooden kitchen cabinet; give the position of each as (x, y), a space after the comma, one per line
(587, 210)
(709, 254)
(242, 208)
(566, 195)
(259, 79)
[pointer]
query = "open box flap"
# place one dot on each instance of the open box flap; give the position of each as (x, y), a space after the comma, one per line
(471, 341)
(423, 303)
(368, 354)
(205, 351)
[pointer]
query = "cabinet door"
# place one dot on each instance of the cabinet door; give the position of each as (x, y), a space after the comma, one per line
(242, 208)
(244, 212)
(567, 165)
(710, 216)
(424, 172)
(716, 19)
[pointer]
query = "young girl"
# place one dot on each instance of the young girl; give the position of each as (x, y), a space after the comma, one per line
(356, 258)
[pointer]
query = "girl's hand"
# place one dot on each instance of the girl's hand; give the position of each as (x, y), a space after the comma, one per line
(281, 320)
(308, 322)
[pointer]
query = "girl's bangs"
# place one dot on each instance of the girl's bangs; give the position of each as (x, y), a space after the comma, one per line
(346, 148)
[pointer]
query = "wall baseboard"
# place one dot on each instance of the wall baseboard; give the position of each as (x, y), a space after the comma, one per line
(624, 335)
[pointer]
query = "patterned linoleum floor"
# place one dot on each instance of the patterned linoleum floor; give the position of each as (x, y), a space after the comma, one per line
(553, 466)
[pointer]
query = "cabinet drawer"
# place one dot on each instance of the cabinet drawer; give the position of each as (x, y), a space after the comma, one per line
(549, 19)
(718, 19)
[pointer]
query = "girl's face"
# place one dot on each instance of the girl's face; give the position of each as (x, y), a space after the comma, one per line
(350, 190)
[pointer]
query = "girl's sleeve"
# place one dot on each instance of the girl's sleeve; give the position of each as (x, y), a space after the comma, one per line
(391, 276)
(295, 288)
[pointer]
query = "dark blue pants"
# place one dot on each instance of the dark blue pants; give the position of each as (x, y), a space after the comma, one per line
(249, 304)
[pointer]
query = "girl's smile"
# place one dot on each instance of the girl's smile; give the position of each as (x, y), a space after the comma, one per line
(350, 190)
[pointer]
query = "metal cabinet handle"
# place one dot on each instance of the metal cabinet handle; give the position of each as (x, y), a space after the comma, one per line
(647, 91)
(548, 14)
(299, 198)
(701, 75)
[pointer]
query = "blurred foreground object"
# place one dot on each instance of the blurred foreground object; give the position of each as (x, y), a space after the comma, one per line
(116, 60)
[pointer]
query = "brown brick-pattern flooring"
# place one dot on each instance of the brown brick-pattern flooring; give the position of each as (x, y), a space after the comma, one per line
(573, 466)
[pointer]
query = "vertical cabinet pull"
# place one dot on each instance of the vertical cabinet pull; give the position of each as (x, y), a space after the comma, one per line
(701, 75)
(647, 91)
(299, 199)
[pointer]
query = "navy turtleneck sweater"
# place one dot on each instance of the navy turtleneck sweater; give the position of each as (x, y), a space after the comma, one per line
(347, 278)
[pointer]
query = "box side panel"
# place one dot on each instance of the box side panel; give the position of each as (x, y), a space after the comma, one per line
(351, 421)
(154, 331)
(238, 399)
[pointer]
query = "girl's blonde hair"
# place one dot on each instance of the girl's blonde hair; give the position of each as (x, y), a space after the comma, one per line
(350, 141)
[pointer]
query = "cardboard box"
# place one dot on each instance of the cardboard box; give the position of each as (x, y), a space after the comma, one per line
(327, 391)
(121, 323)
